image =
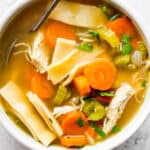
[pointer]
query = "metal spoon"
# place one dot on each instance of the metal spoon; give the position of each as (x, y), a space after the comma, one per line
(51, 6)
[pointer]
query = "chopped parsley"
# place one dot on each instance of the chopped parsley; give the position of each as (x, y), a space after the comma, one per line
(94, 34)
(108, 94)
(87, 98)
(98, 130)
(144, 84)
(80, 122)
(116, 129)
(104, 9)
(85, 46)
(126, 44)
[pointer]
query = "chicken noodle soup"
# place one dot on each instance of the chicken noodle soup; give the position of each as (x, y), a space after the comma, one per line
(80, 79)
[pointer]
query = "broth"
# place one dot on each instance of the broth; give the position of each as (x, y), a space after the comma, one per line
(19, 68)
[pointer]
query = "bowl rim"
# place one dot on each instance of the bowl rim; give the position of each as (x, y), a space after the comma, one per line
(110, 143)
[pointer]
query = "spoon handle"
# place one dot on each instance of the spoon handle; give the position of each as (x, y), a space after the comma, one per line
(50, 8)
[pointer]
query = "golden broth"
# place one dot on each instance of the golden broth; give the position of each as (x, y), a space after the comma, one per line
(18, 69)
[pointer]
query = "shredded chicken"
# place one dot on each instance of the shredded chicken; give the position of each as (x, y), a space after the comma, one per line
(117, 106)
(58, 111)
(39, 54)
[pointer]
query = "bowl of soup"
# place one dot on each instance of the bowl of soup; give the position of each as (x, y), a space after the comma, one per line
(80, 81)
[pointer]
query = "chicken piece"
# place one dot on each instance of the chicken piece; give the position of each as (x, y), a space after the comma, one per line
(117, 106)
(40, 54)
(61, 110)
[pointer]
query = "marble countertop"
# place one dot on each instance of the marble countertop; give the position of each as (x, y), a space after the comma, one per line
(140, 140)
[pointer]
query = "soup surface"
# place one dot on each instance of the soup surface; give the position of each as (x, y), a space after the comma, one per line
(77, 80)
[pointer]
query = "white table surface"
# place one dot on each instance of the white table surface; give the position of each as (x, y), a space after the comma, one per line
(141, 139)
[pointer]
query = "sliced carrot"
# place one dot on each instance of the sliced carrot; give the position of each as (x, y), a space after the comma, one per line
(122, 26)
(91, 131)
(82, 85)
(70, 126)
(134, 43)
(57, 29)
(100, 74)
(41, 86)
(70, 141)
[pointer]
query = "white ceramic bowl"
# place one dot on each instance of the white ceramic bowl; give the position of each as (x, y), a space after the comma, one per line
(110, 143)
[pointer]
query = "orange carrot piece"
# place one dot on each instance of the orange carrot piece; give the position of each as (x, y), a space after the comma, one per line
(70, 141)
(82, 85)
(122, 26)
(69, 123)
(100, 74)
(134, 43)
(58, 29)
(41, 86)
(91, 132)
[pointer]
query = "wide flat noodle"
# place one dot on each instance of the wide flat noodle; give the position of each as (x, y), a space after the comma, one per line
(61, 69)
(45, 113)
(26, 113)
(78, 14)
(63, 47)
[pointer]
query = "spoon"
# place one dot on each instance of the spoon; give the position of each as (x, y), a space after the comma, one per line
(49, 9)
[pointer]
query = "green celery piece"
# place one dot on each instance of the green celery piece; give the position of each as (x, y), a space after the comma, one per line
(60, 96)
(126, 44)
(94, 110)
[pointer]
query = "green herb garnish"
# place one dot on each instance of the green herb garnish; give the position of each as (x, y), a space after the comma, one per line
(98, 130)
(104, 9)
(144, 84)
(108, 94)
(87, 98)
(108, 11)
(116, 129)
(126, 44)
(94, 34)
(85, 46)
(114, 17)
(80, 122)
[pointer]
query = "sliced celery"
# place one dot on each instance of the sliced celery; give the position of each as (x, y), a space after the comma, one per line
(61, 95)
(109, 36)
